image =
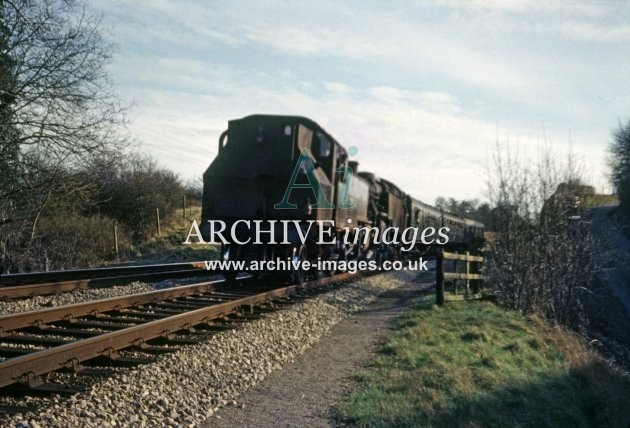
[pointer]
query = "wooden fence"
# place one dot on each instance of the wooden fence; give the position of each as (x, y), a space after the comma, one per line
(473, 269)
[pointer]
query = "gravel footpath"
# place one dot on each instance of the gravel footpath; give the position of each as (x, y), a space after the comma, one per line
(308, 391)
(189, 386)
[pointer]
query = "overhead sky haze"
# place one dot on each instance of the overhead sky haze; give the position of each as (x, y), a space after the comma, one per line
(423, 89)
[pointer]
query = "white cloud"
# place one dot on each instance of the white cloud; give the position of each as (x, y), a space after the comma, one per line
(428, 148)
(592, 31)
(419, 91)
(603, 22)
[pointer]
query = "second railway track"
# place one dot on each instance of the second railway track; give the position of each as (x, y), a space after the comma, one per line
(38, 342)
(45, 283)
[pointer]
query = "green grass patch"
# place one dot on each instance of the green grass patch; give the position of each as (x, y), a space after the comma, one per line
(473, 364)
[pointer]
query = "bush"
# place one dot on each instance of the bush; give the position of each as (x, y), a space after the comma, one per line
(132, 192)
(543, 258)
(64, 241)
(79, 242)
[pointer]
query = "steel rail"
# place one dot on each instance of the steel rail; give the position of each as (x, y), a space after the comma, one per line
(28, 368)
(40, 289)
(41, 317)
(67, 275)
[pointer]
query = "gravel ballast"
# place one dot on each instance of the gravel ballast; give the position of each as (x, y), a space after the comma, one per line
(85, 295)
(189, 386)
(78, 296)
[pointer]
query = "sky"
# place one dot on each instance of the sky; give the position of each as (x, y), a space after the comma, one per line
(423, 89)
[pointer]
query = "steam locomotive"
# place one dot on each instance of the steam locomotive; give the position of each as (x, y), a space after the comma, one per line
(289, 173)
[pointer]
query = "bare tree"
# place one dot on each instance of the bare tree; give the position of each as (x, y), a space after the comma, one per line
(55, 90)
(57, 108)
(61, 97)
(9, 144)
(619, 161)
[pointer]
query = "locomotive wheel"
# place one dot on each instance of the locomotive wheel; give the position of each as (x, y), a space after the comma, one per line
(340, 258)
(380, 256)
(336, 255)
(393, 253)
(325, 253)
(299, 275)
(229, 252)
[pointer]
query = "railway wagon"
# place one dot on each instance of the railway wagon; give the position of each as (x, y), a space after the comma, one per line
(463, 233)
(422, 216)
(387, 208)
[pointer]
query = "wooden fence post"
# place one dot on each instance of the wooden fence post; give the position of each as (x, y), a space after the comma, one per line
(116, 240)
(476, 268)
(470, 275)
(454, 270)
(157, 212)
(467, 273)
(184, 207)
(439, 277)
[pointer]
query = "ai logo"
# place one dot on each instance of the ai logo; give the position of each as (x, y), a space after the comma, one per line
(305, 164)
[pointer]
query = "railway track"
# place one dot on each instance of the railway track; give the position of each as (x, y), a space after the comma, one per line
(35, 343)
(43, 283)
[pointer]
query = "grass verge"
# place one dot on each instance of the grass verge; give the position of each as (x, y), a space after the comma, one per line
(169, 247)
(473, 364)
